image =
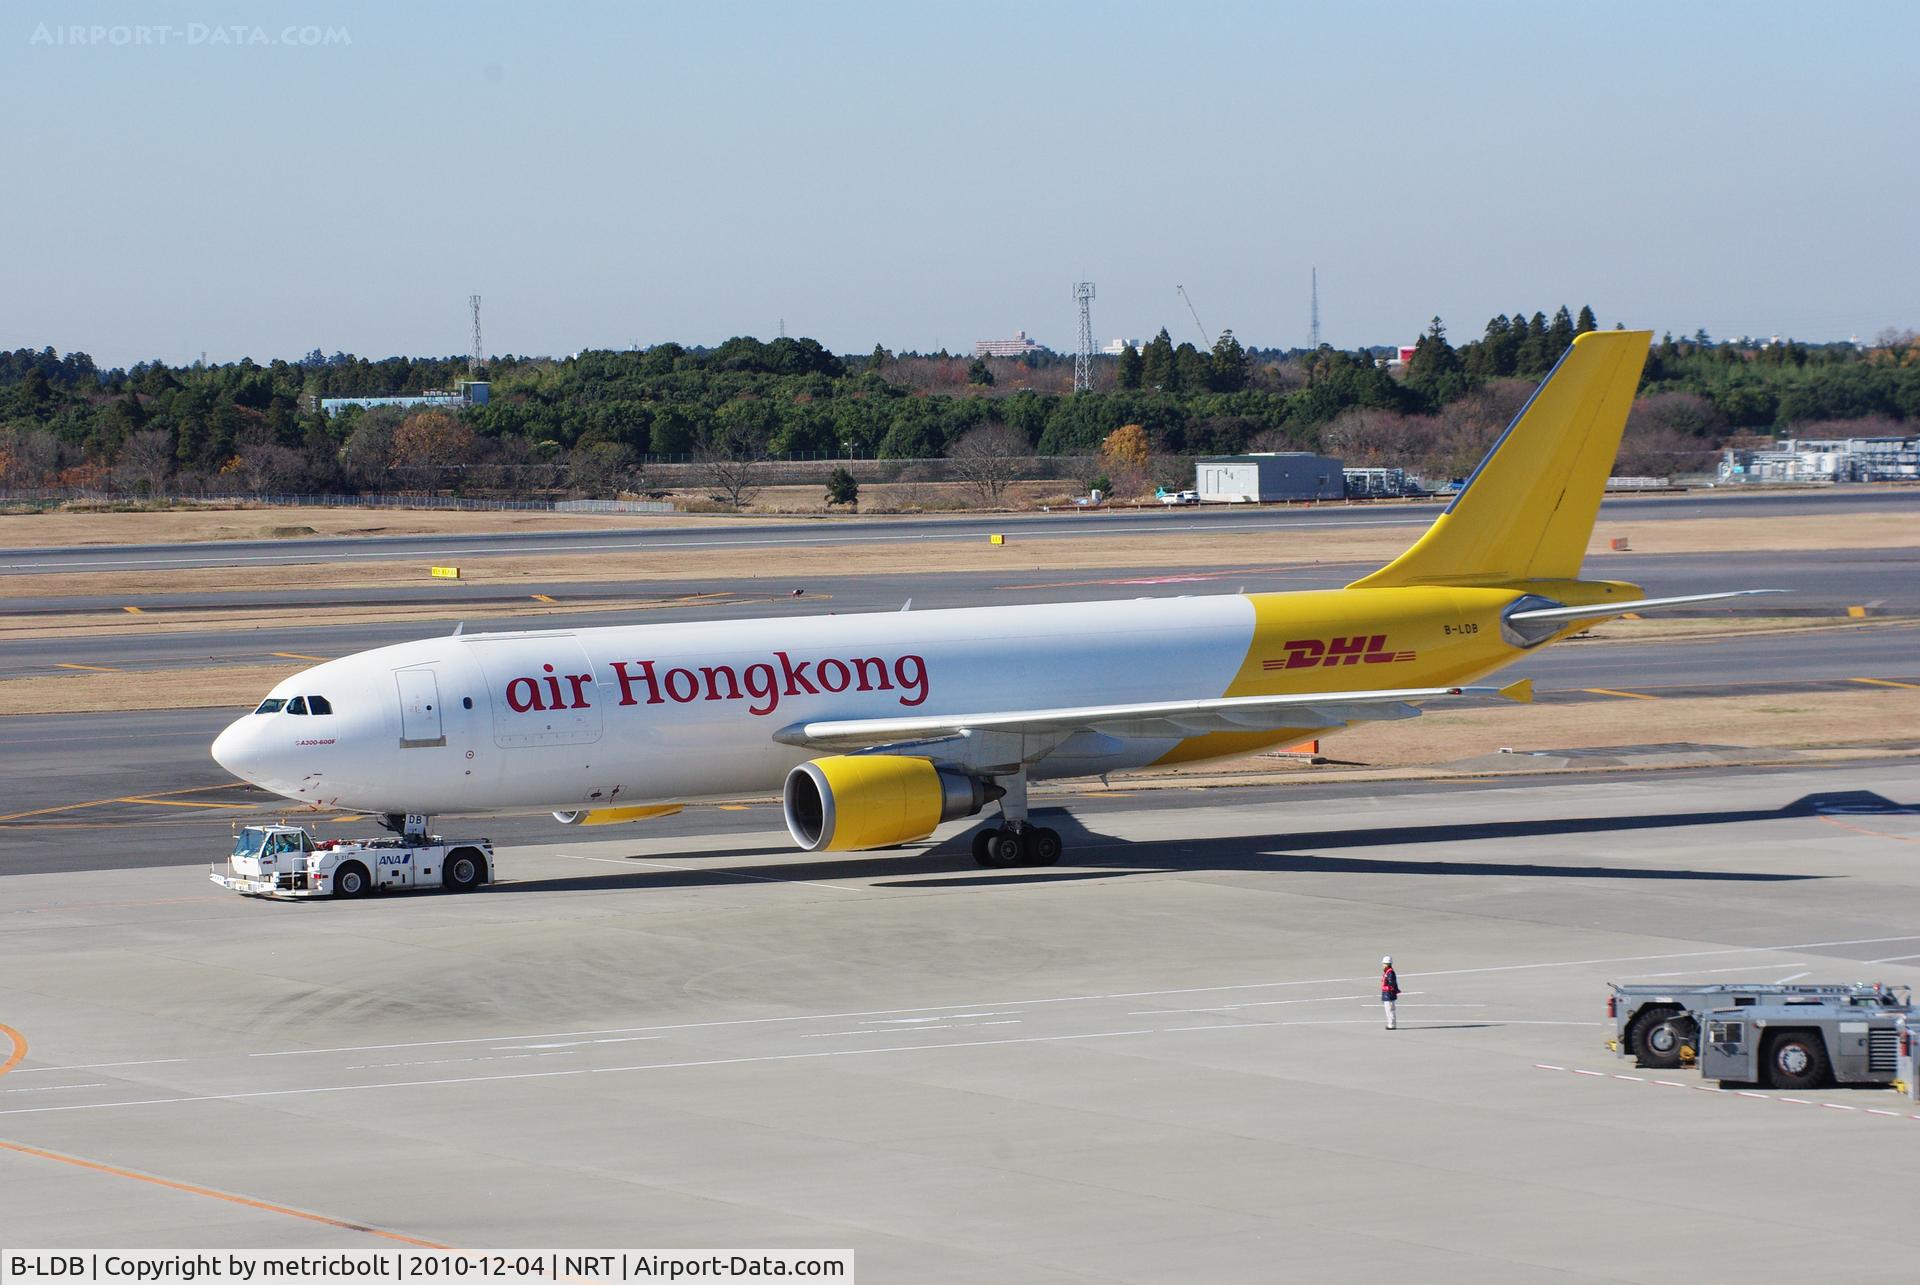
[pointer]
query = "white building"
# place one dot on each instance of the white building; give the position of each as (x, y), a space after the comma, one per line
(1115, 347)
(1269, 477)
(1018, 346)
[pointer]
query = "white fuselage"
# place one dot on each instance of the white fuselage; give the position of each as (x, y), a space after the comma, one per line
(624, 716)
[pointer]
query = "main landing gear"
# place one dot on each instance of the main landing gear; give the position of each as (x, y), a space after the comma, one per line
(1015, 841)
(1004, 846)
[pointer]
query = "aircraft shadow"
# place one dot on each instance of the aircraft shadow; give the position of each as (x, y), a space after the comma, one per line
(1266, 853)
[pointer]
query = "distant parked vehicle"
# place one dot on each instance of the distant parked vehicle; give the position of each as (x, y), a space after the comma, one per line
(1179, 497)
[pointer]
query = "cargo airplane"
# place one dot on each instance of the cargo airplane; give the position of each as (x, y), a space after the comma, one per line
(877, 728)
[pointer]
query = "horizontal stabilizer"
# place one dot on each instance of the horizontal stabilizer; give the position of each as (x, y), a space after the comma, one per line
(1598, 610)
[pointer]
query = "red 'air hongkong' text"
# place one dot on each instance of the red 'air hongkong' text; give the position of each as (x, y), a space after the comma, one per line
(762, 684)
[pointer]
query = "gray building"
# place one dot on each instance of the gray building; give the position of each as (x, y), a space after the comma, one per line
(1269, 477)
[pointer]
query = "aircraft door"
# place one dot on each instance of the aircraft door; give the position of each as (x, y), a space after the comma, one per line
(420, 725)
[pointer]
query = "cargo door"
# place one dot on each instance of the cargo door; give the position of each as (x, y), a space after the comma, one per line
(419, 709)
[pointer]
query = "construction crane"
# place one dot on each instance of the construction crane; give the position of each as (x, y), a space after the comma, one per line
(1206, 341)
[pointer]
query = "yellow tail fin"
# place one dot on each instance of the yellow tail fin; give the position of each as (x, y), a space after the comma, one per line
(1527, 512)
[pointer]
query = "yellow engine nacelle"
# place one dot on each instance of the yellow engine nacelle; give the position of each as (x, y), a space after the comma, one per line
(615, 816)
(851, 801)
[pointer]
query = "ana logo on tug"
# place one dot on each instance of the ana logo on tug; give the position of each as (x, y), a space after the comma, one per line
(1304, 653)
(762, 684)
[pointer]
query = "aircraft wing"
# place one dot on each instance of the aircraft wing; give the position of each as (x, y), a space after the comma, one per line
(1311, 710)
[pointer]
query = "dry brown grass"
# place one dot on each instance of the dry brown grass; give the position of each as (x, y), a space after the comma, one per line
(1090, 552)
(201, 525)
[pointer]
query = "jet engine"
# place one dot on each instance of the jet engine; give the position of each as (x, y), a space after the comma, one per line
(850, 801)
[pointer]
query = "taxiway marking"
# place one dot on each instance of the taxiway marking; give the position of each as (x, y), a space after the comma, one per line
(19, 1043)
(210, 1193)
(100, 803)
(92, 669)
(1885, 682)
(294, 655)
(1733, 1093)
(944, 1011)
(1609, 691)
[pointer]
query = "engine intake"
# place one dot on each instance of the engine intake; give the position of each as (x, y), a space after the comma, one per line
(846, 802)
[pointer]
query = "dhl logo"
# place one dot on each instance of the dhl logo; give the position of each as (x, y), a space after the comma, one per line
(1304, 653)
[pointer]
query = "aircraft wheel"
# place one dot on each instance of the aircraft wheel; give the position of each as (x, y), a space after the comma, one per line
(999, 849)
(980, 838)
(1042, 846)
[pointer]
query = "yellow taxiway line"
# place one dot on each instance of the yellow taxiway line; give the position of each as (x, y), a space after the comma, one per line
(1608, 691)
(1885, 682)
(92, 669)
(294, 655)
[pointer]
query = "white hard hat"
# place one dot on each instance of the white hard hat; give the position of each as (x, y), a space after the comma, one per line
(1386, 959)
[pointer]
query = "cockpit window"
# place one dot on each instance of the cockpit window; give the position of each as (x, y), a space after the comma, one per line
(298, 705)
(271, 705)
(319, 705)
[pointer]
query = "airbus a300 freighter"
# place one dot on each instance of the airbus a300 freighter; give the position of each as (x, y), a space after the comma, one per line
(877, 728)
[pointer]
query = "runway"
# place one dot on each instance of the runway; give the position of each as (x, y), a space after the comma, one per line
(1883, 582)
(774, 534)
(1162, 1062)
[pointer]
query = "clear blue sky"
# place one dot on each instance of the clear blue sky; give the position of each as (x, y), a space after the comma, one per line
(924, 176)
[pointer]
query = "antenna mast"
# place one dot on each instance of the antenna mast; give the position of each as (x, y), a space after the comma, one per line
(1083, 355)
(1313, 328)
(475, 359)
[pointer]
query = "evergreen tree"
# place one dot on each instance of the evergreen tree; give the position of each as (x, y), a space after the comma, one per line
(1586, 320)
(979, 373)
(1191, 369)
(1130, 366)
(842, 488)
(1157, 372)
(1533, 357)
(1559, 334)
(1433, 357)
(1230, 365)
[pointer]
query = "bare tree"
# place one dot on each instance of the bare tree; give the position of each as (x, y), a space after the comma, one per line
(987, 458)
(145, 463)
(732, 464)
(602, 469)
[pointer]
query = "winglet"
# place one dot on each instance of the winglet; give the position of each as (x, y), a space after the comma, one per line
(1521, 691)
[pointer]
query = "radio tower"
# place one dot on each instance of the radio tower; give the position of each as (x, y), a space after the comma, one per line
(1313, 328)
(1083, 356)
(474, 361)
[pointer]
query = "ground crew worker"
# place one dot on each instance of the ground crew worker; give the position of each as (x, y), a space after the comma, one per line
(1389, 989)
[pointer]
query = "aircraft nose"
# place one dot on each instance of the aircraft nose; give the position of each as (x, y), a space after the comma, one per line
(230, 749)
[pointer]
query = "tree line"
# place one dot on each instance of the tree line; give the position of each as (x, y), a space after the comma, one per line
(590, 422)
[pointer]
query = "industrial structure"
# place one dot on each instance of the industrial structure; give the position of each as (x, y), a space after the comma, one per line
(1083, 353)
(1313, 324)
(1269, 477)
(1852, 459)
(471, 392)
